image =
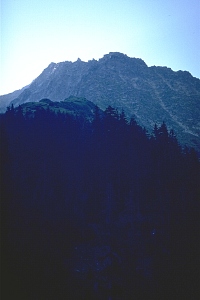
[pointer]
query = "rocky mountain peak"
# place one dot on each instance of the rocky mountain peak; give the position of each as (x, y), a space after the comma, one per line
(150, 94)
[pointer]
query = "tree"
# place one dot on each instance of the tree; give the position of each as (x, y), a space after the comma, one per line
(155, 131)
(122, 119)
(96, 123)
(163, 133)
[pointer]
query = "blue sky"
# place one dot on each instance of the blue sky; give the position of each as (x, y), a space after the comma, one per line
(35, 33)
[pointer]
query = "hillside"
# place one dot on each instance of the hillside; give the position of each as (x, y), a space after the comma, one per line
(74, 106)
(95, 210)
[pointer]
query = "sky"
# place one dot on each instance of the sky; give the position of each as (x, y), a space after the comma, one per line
(35, 33)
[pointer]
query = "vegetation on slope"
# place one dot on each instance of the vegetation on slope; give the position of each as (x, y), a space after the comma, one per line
(96, 209)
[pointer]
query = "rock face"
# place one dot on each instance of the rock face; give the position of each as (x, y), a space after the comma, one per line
(6, 99)
(150, 94)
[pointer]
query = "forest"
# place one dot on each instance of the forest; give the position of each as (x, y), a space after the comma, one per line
(96, 209)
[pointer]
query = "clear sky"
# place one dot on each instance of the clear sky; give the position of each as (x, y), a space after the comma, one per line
(35, 33)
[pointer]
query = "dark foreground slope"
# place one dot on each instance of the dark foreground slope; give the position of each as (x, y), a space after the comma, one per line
(96, 210)
(151, 94)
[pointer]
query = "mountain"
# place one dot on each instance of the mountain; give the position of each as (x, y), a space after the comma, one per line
(150, 94)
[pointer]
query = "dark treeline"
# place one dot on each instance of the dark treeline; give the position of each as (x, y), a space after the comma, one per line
(96, 210)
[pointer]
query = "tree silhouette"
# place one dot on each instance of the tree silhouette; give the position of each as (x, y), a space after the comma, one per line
(101, 189)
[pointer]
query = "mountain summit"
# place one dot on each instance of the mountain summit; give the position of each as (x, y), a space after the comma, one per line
(150, 94)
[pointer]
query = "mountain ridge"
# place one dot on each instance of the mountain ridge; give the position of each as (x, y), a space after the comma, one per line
(150, 94)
